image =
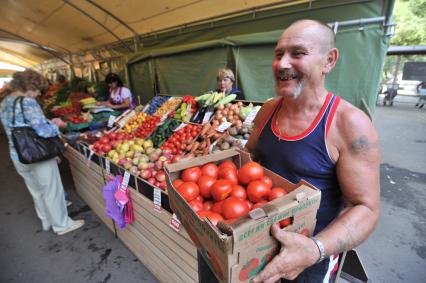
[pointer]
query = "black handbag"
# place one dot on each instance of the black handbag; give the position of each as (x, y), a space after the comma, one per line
(32, 148)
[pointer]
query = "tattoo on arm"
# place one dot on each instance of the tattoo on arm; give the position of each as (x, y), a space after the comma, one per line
(362, 144)
(344, 245)
(341, 245)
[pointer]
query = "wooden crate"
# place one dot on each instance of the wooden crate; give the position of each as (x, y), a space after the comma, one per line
(169, 255)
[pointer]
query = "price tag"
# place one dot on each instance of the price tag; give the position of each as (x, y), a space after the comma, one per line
(163, 118)
(145, 108)
(222, 127)
(243, 143)
(157, 200)
(250, 117)
(207, 117)
(181, 126)
(111, 121)
(125, 181)
(85, 151)
(89, 158)
(107, 167)
(212, 145)
(175, 223)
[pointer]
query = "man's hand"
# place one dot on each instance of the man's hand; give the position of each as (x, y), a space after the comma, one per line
(297, 253)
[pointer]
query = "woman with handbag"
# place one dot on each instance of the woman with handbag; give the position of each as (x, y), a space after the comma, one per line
(20, 111)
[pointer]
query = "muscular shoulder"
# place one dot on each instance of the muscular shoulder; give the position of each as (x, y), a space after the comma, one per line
(353, 131)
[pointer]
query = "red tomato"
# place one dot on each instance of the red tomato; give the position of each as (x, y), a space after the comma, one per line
(234, 207)
(285, 222)
(205, 183)
(191, 174)
(259, 204)
(200, 198)
(221, 189)
(229, 174)
(214, 217)
(202, 214)
(276, 193)
(176, 183)
(238, 192)
(249, 204)
(250, 171)
(217, 207)
(210, 169)
(208, 205)
(229, 221)
(267, 180)
(227, 164)
(196, 205)
(189, 190)
(257, 190)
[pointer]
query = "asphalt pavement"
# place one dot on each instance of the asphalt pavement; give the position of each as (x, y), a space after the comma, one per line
(396, 251)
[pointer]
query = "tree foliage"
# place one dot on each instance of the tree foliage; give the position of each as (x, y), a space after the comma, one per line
(410, 19)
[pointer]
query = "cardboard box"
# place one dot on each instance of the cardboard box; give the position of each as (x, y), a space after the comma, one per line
(237, 252)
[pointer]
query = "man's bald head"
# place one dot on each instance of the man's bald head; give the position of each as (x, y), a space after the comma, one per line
(324, 32)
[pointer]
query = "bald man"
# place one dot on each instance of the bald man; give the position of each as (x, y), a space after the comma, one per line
(308, 133)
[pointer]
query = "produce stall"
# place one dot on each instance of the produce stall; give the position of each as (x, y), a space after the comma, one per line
(138, 145)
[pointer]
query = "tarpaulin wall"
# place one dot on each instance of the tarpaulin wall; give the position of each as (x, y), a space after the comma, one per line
(190, 68)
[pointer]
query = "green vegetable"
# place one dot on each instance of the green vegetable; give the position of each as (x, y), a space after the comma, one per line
(226, 99)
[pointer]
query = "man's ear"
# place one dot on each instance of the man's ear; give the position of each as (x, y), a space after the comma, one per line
(331, 59)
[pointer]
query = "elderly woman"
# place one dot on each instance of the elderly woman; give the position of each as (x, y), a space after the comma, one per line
(225, 83)
(42, 179)
(120, 97)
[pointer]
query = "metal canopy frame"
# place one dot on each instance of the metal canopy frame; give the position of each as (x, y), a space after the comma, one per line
(99, 23)
(49, 50)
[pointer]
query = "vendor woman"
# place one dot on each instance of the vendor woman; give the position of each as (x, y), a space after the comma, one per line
(120, 97)
(225, 83)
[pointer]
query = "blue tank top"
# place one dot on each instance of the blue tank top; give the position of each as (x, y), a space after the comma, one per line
(305, 156)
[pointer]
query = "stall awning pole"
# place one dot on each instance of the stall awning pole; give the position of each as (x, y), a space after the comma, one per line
(359, 22)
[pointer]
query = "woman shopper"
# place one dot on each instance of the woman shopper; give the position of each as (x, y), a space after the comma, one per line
(42, 179)
(120, 97)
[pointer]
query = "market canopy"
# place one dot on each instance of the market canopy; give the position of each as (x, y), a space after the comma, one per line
(34, 31)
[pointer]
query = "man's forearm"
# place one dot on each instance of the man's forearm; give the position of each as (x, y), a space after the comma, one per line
(349, 229)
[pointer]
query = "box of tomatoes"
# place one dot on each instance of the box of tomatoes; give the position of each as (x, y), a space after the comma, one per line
(227, 203)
